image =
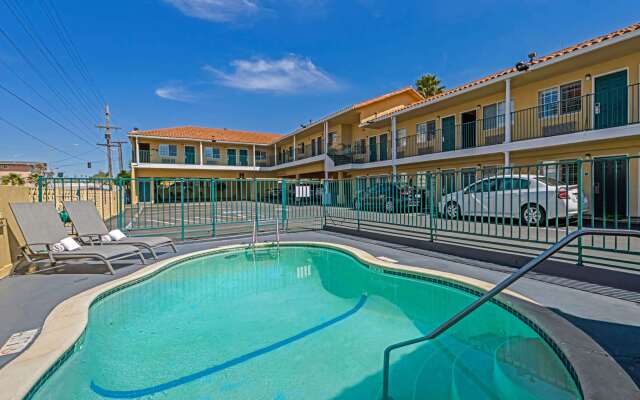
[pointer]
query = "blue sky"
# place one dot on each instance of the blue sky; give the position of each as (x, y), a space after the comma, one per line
(265, 65)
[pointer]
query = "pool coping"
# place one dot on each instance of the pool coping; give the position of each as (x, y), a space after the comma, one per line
(599, 376)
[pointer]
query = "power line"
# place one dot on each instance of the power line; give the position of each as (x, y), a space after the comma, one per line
(63, 34)
(36, 109)
(48, 55)
(40, 75)
(44, 99)
(31, 135)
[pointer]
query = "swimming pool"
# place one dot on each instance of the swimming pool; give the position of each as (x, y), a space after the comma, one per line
(304, 322)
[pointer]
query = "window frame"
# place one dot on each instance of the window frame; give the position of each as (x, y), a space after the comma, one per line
(559, 102)
(168, 147)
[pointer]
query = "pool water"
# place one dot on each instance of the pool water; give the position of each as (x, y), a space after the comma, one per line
(301, 323)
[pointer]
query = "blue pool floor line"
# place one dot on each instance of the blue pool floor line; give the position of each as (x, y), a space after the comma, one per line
(130, 394)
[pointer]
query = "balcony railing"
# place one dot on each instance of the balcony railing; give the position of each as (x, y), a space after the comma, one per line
(145, 156)
(603, 109)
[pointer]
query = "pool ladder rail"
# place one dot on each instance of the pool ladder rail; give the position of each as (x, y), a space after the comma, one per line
(255, 234)
(495, 291)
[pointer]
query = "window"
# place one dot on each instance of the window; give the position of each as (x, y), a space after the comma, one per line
(212, 153)
(570, 100)
(493, 115)
(548, 103)
(513, 184)
(569, 172)
(168, 150)
(302, 147)
(402, 137)
(314, 150)
(564, 99)
(425, 131)
(261, 155)
(332, 138)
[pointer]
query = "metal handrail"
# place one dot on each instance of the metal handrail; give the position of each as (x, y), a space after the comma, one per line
(254, 235)
(493, 292)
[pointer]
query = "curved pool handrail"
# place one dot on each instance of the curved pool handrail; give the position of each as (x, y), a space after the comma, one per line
(496, 290)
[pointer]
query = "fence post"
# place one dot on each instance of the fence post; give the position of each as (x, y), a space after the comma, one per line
(358, 201)
(212, 199)
(181, 208)
(284, 202)
(325, 199)
(431, 199)
(39, 188)
(580, 198)
(119, 204)
(255, 204)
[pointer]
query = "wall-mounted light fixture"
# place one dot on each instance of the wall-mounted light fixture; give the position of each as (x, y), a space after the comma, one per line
(587, 77)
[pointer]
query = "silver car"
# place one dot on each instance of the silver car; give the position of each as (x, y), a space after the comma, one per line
(534, 199)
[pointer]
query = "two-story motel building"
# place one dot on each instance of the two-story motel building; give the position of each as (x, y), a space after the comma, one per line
(581, 102)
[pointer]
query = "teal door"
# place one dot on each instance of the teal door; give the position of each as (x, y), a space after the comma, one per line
(231, 156)
(189, 155)
(244, 157)
(373, 149)
(383, 147)
(449, 133)
(610, 103)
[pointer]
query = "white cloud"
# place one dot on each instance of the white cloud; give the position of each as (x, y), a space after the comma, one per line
(234, 10)
(176, 92)
(216, 10)
(289, 74)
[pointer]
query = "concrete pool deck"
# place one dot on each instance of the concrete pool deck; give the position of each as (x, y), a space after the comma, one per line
(25, 301)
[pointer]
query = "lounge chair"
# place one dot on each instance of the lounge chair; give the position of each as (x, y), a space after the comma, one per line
(90, 227)
(42, 228)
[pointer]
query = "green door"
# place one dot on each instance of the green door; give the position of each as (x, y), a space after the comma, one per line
(231, 156)
(244, 157)
(189, 155)
(610, 103)
(449, 133)
(383, 147)
(373, 149)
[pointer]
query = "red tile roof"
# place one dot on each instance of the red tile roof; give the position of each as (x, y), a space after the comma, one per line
(407, 89)
(540, 60)
(218, 134)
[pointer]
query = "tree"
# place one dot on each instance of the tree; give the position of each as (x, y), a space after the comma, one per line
(124, 174)
(429, 85)
(101, 174)
(32, 179)
(12, 179)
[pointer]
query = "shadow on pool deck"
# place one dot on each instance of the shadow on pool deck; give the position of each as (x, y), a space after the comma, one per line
(620, 340)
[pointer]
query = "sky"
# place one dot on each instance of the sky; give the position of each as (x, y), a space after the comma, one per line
(261, 65)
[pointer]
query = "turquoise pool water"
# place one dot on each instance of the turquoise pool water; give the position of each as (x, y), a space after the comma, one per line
(304, 323)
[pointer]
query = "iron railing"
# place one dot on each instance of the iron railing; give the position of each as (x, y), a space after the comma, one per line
(488, 296)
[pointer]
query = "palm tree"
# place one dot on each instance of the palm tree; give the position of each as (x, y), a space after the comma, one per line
(12, 179)
(429, 85)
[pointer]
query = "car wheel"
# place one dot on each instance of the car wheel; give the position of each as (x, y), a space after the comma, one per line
(533, 215)
(453, 210)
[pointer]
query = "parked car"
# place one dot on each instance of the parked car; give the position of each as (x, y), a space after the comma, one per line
(389, 197)
(532, 199)
(297, 194)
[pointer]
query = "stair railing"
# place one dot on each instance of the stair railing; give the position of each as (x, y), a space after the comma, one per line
(493, 292)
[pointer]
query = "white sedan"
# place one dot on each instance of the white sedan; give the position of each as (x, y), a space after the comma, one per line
(534, 199)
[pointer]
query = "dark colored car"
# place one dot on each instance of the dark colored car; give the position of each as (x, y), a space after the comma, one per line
(297, 194)
(390, 197)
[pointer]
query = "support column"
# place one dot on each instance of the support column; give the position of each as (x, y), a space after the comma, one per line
(275, 154)
(507, 111)
(254, 155)
(325, 133)
(137, 151)
(507, 121)
(294, 147)
(201, 158)
(394, 144)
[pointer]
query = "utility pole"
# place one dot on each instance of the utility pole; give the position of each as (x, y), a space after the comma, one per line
(120, 160)
(107, 138)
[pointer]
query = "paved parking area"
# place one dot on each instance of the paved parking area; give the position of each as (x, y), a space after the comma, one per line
(26, 300)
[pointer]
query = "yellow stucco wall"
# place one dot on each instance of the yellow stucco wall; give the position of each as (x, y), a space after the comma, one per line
(10, 236)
